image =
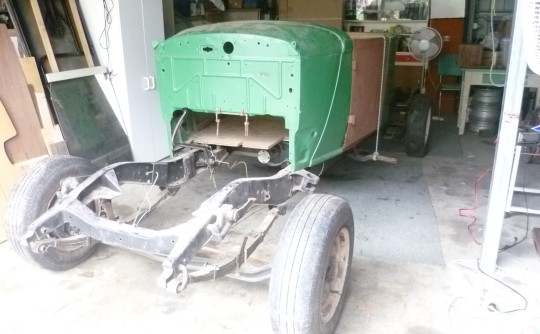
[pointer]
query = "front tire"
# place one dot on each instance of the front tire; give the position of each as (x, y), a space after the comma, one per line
(35, 193)
(311, 270)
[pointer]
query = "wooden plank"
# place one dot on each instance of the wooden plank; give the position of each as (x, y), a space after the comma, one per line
(28, 143)
(10, 174)
(33, 80)
(263, 133)
(44, 36)
(31, 73)
(54, 139)
(81, 36)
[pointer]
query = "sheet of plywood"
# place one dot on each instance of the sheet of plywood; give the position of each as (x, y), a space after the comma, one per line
(263, 132)
(368, 72)
(326, 12)
(31, 73)
(10, 174)
(14, 93)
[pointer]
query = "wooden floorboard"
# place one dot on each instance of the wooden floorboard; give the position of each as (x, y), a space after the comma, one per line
(264, 132)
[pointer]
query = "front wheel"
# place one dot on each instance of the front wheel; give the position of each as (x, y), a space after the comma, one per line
(311, 269)
(37, 192)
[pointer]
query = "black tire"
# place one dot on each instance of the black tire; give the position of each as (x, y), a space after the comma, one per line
(32, 196)
(418, 126)
(310, 274)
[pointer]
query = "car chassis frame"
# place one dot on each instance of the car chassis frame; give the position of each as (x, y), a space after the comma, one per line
(178, 246)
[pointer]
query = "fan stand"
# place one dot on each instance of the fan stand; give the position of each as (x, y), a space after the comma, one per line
(425, 65)
(423, 46)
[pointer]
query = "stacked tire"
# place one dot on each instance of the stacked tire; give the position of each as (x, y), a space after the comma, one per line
(485, 109)
(418, 126)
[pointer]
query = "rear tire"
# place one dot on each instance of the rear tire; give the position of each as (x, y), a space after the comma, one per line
(35, 194)
(418, 126)
(311, 270)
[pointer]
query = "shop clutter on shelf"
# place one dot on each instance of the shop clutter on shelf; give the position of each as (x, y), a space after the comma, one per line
(493, 49)
(387, 10)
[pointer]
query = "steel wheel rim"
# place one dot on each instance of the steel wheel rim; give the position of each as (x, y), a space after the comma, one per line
(336, 274)
(64, 231)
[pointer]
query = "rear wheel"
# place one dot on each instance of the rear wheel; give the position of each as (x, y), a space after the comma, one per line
(418, 126)
(311, 270)
(35, 193)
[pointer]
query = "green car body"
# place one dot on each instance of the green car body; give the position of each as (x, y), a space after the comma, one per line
(298, 72)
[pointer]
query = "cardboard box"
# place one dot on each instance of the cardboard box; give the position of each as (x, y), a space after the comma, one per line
(496, 57)
(314, 9)
(470, 55)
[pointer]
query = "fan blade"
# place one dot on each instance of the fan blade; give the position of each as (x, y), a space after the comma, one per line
(414, 46)
(416, 36)
(426, 34)
(432, 51)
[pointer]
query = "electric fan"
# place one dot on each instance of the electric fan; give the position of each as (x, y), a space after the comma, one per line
(424, 45)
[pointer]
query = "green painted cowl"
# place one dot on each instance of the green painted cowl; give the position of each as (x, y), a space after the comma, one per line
(296, 71)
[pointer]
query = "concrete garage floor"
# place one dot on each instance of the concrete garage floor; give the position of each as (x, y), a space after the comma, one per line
(414, 269)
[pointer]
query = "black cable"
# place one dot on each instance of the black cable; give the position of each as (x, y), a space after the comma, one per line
(516, 242)
(493, 306)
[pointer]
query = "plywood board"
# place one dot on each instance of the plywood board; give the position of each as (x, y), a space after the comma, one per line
(368, 72)
(14, 93)
(31, 73)
(314, 9)
(263, 132)
(10, 174)
(326, 12)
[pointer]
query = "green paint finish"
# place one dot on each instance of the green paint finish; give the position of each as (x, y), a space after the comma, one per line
(296, 71)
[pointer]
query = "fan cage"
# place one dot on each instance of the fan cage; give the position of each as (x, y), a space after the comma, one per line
(436, 40)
